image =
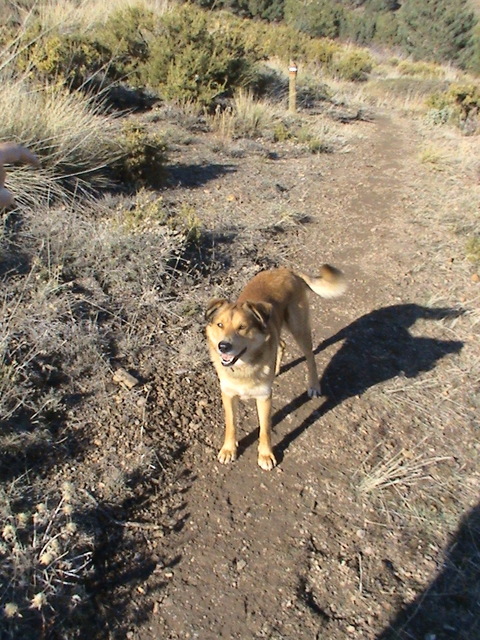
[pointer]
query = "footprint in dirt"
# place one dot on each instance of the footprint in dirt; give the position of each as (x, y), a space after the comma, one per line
(377, 347)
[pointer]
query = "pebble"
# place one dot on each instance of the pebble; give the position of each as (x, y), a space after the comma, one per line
(241, 564)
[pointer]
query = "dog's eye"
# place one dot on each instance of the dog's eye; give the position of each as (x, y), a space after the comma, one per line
(220, 325)
(242, 327)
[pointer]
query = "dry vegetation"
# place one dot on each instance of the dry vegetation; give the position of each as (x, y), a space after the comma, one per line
(95, 262)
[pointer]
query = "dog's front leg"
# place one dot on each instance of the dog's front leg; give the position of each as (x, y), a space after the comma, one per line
(266, 459)
(228, 452)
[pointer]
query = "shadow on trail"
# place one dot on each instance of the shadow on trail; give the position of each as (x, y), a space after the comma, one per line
(196, 175)
(376, 347)
(449, 608)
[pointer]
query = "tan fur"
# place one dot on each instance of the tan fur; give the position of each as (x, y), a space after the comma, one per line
(245, 344)
(12, 153)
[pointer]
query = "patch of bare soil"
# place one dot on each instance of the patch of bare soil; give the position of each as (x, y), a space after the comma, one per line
(369, 525)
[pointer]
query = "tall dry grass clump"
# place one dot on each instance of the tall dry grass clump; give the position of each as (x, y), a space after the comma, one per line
(71, 135)
(246, 117)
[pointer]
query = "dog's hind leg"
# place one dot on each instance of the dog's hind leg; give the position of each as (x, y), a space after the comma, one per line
(280, 352)
(299, 326)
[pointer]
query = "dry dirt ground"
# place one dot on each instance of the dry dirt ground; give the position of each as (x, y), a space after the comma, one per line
(369, 527)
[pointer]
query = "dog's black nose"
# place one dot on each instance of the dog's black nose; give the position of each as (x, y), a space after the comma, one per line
(224, 347)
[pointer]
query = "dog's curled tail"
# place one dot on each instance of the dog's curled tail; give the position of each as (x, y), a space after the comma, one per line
(330, 282)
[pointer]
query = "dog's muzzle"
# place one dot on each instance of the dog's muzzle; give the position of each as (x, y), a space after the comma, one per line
(226, 358)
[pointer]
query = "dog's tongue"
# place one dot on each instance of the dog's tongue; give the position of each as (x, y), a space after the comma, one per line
(227, 357)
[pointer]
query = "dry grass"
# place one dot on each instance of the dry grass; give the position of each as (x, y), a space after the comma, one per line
(69, 14)
(401, 469)
(247, 117)
(70, 134)
(45, 556)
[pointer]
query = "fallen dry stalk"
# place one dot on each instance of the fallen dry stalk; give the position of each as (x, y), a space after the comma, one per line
(401, 468)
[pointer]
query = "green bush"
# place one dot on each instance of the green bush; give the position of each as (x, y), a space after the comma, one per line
(351, 65)
(193, 59)
(150, 213)
(462, 104)
(126, 34)
(143, 157)
(70, 59)
(321, 51)
(114, 49)
(419, 69)
(466, 97)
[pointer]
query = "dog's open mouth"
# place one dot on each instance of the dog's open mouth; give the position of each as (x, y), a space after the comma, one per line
(228, 359)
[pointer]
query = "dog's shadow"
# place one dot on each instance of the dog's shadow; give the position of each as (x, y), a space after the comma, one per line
(376, 347)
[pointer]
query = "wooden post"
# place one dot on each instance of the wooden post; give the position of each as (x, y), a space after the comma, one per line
(292, 86)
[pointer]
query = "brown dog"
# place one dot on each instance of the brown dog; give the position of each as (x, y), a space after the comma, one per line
(246, 347)
(12, 153)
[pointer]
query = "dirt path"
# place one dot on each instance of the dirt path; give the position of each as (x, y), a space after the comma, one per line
(300, 552)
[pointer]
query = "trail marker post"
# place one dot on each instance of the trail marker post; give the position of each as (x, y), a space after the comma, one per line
(292, 86)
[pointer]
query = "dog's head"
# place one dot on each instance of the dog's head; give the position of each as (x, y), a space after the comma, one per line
(236, 331)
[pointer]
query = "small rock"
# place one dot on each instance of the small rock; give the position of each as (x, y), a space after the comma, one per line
(241, 564)
(121, 376)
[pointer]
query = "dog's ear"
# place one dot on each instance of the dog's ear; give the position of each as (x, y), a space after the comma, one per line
(261, 312)
(212, 307)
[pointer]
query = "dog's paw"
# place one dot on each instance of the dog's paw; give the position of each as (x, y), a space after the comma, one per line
(227, 455)
(266, 461)
(314, 392)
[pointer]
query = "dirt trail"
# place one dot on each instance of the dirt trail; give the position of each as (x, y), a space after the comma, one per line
(296, 553)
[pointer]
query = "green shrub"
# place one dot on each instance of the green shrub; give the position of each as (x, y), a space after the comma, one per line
(351, 65)
(66, 59)
(193, 59)
(126, 34)
(282, 133)
(143, 157)
(420, 69)
(313, 143)
(465, 97)
(269, 83)
(150, 213)
(460, 105)
(285, 42)
(114, 49)
(321, 51)
(188, 223)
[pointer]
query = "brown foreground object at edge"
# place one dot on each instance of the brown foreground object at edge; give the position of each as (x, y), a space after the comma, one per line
(12, 153)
